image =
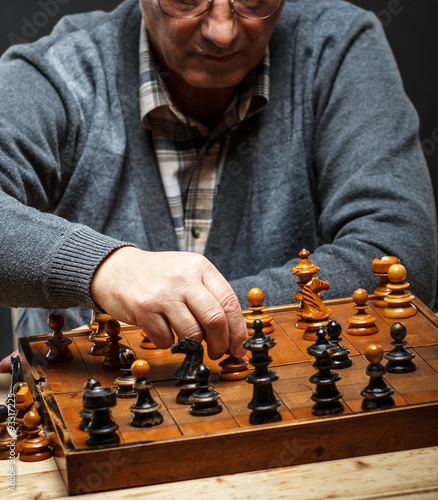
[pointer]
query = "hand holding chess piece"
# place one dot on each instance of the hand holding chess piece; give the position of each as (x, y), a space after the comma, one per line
(168, 293)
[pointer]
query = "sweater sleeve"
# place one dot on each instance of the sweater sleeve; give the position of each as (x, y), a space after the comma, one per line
(373, 194)
(45, 261)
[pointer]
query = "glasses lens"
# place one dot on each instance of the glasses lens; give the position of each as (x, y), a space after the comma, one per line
(250, 9)
(256, 9)
(183, 8)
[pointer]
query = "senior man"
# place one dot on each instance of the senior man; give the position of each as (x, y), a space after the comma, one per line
(160, 160)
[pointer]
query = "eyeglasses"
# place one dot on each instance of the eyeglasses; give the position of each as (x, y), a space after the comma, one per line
(249, 9)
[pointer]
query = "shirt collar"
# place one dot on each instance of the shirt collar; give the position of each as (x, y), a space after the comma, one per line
(252, 98)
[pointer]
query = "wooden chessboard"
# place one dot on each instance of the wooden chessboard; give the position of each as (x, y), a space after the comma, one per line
(186, 447)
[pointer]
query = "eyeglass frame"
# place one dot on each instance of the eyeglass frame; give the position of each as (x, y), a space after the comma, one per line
(232, 9)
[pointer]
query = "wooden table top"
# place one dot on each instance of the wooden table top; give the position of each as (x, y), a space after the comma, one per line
(398, 475)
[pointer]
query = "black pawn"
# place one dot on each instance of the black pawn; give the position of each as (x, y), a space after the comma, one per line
(377, 394)
(17, 375)
(326, 396)
(399, 359)
(340, 358)
(91, 383)
(264, 404)
(204, 400)
(102, 429)
(58, 343)
(126, 380)
(145, 409)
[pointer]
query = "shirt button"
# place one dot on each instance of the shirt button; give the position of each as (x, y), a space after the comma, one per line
(196, 232)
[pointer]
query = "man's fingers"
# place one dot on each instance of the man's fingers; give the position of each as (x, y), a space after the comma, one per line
(230, 306)
(158, 330)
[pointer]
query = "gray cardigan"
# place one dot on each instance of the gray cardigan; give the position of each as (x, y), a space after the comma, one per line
(333, 164)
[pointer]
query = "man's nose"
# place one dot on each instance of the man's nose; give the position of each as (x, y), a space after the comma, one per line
(220, 24)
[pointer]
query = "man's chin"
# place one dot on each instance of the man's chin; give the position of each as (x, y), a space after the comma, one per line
(214, 81)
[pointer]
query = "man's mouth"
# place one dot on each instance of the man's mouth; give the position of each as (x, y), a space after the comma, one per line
(220, 59)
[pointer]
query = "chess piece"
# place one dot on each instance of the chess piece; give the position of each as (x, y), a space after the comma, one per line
(256, 298)
(101, 428)
(380, 268)
(145, 409)
(314, 314)
(326, 396)
(113, 349)
(125, 381)
(92, 325)
(399, 359)
(233, 368)
(185, 374)
(23, 403)
(99, 337)
(377, 394)
(146, 342)
(398, 301)
(35, 447)
(305, 271)
(6, 440)
(340, 358)
(361, 323)
(204, 400)
(17, 374)
(58, 343)
(264, 404)
(85, 414)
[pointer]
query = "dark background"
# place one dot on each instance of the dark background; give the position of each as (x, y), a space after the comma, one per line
(410, 25)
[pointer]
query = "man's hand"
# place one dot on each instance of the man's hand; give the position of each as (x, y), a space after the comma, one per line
(165, 291)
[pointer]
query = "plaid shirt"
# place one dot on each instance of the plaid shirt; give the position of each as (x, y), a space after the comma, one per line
(191, 157)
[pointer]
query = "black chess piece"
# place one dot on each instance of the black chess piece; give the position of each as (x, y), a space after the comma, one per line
(326, 396)
(340, 358)
(112, 351)
(399, 359)
(204, 400)
(145, 409)
(101, 428)
(377, 394)
(91, 383)
(58, 343)
(126, 380)
(186, 372)
(17, 375)
(264, 404)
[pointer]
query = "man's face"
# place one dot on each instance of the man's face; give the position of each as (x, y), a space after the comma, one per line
(214, 50)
